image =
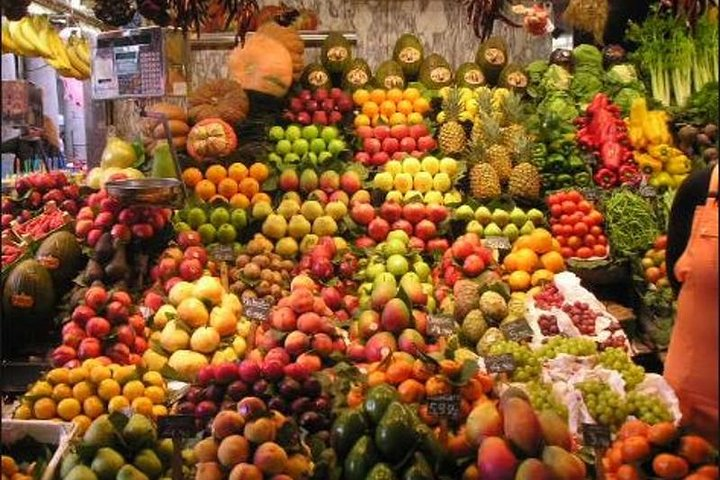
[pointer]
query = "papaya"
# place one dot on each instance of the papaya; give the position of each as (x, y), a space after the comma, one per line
(347, 430)
(377, 401)
(360, 460)
(395, 432)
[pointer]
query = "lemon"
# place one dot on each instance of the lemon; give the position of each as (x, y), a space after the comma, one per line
(69, 408)
(108, 389)
(93, 407)
(44, 409)
(133, 389)
(155, 394)
(99, 373)
(83, 390)
(118, 404)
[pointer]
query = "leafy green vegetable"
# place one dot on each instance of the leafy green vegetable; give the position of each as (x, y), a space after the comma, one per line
(587, 55)
(632, 223)
(535, 71)
(556, 78)
(702, 106)
(558, 107)
(585, 86)
(624, 98)
(622, 75)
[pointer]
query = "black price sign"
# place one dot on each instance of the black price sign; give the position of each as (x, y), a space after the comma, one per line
(504, 363)
(517, 330)
(444, 406)
(497, 243)
(256, 309)
(591, 194)
(596, 436)
(223, 253)
(176, 426)
(647, 191)
(441, 326)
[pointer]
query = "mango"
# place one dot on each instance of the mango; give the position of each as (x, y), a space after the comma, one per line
(533, 469)
(395, 316)
(209, 471)
(484, 421)
(360, 460)
(347, 430)
(100, 433)
(377, 401)
(129, 472)
(107, 463)
(495, 460)
(384, 290)
(206, 450)
(563, 464)
(554, 429)
(80, 472)
(395, 431)
(148, 462)
(521, 426)
(139, 432)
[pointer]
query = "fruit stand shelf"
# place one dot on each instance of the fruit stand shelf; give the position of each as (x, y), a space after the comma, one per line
(226, 40)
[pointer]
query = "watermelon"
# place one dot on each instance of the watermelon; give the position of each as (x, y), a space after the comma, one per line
(62, 256)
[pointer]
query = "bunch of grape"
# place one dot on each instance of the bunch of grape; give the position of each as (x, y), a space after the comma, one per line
(617, 359)
(549, 297)
(527, 364)
(548, 325)
(582, 316)
(606, 406)
(577, 346)
(648, 408)
(542, 398)
(616, 341)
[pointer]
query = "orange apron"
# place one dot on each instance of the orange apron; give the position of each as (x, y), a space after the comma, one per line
(692, 362)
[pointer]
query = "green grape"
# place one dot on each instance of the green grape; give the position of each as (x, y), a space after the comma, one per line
(577, 346)
(542, 398)
(527, 366)
(617, 359)
(648, 408)
(598, 399)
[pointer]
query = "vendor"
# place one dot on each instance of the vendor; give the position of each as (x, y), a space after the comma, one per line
(692, 268)
(35, 142)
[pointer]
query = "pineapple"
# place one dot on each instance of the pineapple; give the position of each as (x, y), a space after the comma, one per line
(452, 134)
(512, 123)
(525, 182)
(483, 97)
(484, 182)
(496, 154)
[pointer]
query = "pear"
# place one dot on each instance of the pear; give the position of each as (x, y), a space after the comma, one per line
(464, 212)
(493, 230)
(311, 209)
(511, 232)
(535, 216)
(475, 227)
(500, 217)
(288, 208)
(518, 217)
(298, 227)
(527, 228)
(483, 215)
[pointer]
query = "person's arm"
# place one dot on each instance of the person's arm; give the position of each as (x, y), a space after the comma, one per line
(691, 194)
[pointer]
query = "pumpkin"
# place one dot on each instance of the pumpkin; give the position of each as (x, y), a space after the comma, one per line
(263, 65)
(211, 138)
(173, 112)
(223, 99)
(28, 294)
(289, 37)
(61, 255)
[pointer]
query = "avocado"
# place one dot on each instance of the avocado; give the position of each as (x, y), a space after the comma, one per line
(395, 431)
(347, 429)
(360, 460)
(408, 53)
(435, 72)
(420, 469)
(356, 75)
(314, 76)
(513, 77)
(381, 471)
(390, 75)
(335, 53)
(429, 445)
(377, 401)
(492, 56)
(470, 75)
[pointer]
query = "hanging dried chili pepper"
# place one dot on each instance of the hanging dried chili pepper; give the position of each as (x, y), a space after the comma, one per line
(482, 15)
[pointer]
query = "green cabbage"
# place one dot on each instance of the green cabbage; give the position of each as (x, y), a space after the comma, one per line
(585, 86)
(623, 75)
(625, 97)
(556, 78)
(587, 55)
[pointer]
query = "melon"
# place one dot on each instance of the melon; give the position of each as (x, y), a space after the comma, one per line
(28, 295)
(263, 65)
(62, 256)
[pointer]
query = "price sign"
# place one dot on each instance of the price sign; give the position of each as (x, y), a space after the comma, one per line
(146, 312)
(504, 363)
(596, 436)
(256, 309)
(517, 330)
(176, 426)
(444, 406)
(647, 191)
(441, 326)
(223, 253)
(591, 194)
(497, 243)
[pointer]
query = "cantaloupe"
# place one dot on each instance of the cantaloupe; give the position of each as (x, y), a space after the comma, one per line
(263, 65)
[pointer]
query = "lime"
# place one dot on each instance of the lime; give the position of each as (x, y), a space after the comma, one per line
(276, 133)
(196, 217)
(219, 216)
(283, 147)
(301, 146)
(310, 132)
(207, 233)
(335, 146)
(329, 133)
(318, 145)
(226, 234)
(239, 219)
(293, 132)
(182, 227)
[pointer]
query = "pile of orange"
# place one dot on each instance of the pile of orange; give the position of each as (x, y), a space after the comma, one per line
(641, 447)
(236, 184)
(534, 260)
(392, 107)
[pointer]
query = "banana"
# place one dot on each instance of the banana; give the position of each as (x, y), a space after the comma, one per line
(75, 59)
(83, 50)
(59, 56)
(24, 46)
(8, 45)
(32, 29)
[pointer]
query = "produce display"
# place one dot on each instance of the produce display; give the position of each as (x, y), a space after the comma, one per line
(390, 272)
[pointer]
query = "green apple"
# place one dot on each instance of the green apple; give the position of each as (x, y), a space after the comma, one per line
(373, 270)
(310, 132)
(394, 246)
(422, 269)
(276, 133)
(335, 146)
(239, 219)
(536, 216)
(527, 229)
(301, 146)
(317, 145)
(397, 265)
(283, 147)
(400, 235)
(292, 157)
(329, 134)
(293, 132)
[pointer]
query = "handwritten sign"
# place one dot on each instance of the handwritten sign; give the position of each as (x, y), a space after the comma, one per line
(256, 309)
(441, 325)
(647, 191)
(444, 406)
(596, 436)
(223, 253)
(497, 243)
(504, 363)
(517, 330)
(176, 426)
(591, 194)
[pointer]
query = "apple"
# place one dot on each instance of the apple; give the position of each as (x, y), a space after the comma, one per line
(436, 213)
(426, 230)
(426, 143)
(382, 132)
(391, 211)
(372, 145)
(407, 144)
(414, 212)
(378, 229)
(390, 145)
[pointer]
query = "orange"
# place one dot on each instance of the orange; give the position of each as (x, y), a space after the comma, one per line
(155, 394)
(58, 375)
(473, 390)
(259, 171)
(411, 391)
(215, 173)
(68, 409)
(411, 94)
(191, 176)
(237, 171)
(44, 409)
(405, 107)
(375, 119)
(553, 261)
(510, 262)
(159, 411)
(9, 467)
(83, 390)
(628, 472)
(370, 109)
(376, 378)
(61, 392)
(519, 281)
(666, 465)
(541, 277)
(78, 375)
(153, 379)
(249, 187)
(360, 96)
(93, 407)
(227, 188)
(635, 449)
(143, 406)
(118, 404)
(83, 422)
(527, 259)
(108, 389)
(523, 241)
(541, 240)
(99, 373)
(361, 120)
(41, 389)
(239, 200)
(387, 108)
(398, 372)
(205, 189)
(133, 389)
(260, 197)
(421, 105)
(394, 95)
(438, 385)
(23, 412)
(378, 95)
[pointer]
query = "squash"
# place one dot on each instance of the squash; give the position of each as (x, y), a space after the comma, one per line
(289, 37)
(211, 138)
(223, 99)
(61, 255)
(28, 294)
(178, 128)
(263, 65)
(173, 112)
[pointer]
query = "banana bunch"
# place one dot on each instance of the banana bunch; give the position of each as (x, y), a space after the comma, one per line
(33, 36)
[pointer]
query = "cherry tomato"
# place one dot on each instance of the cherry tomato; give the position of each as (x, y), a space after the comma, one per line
(555, 210)
(574, 196)
(574, 242)
(567, 230)
(599, 250)
(562, 241)
(585, 206)
(557, 230)
(602, 240)
(578, 217)
(595, 230)
(554, 199)
(589, 240)
(568, 207)
(567, 220)
(580, 229)
(596, 217)
(584, 252)
(567, 252)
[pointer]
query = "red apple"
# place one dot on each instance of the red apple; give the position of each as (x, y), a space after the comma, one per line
(407, 144)
(362, 213)
(391, 211)
(414, 212)
(426, 230)
(378, 229)
(381, 132)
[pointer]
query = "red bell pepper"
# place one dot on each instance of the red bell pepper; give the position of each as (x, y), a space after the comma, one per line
(605, 178)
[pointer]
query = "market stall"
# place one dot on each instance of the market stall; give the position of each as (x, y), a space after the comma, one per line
(295, 263)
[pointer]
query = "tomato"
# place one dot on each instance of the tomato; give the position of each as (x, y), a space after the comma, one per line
(580, 229)
(584, 252)
(596, 217)
(595, 230)
(574, 242)
(557, 230)
(599, 250)
(567, 220)
(602, 240)
(554, 199)
(567, 252)
(554, 221)
(561, 240)
(585, 206)
(652, 274)
(577, 217)
(574, 196)
(567, 230)
(660, 243)
(568, 207)
(563, 196)
(555, 210)
(589, 240)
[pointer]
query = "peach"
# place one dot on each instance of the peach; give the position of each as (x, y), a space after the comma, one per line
(233, 450)
(283, 319)
(270, 458)
(260, 431)
(310, 323)
(227, 423)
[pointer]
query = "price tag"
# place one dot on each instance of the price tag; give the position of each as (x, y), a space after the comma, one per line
(497, 243)
(591, 194)
(145, 312)
(596, 436)
(256, 309)
(504, 363)
(444, 406)
(647, 191)
(441, 326)
(517, 330)
(223, 253)
(176, 426)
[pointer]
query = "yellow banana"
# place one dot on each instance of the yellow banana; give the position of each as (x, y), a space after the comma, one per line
(8, 45)
(83, 50)
(24, 46)
(33, 29)
(59, 51)
(75, 60)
